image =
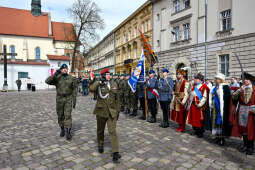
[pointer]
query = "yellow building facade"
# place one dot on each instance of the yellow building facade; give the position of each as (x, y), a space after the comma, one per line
(128, 42)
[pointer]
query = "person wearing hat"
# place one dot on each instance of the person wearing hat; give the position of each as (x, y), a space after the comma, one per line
(246, 117)
(66, 87)
(122, 91)
(219, 102)
(197, 104)
(181, 94)
(152, 85)
(166, 90)
(106, 111)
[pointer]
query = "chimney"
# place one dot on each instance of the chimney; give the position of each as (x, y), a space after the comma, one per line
(50, 25)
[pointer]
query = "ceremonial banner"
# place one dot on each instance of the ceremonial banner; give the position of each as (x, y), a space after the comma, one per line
(138, 75)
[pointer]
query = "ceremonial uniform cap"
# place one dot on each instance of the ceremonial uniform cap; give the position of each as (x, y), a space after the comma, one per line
(181, 71)
(199, 76)
(220, 76)
(151, 72)
(165, 70)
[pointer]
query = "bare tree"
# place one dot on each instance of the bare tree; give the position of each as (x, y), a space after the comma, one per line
(87, 21)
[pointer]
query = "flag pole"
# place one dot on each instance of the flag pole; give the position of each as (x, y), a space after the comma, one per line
(145, 94)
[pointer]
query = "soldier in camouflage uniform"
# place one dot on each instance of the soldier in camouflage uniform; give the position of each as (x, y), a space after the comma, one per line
(127, 101)
(66, 88)
(106, 111)
(133, 102)
(122, 92)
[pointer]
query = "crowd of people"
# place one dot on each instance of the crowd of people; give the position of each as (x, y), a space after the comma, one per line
(224, 108)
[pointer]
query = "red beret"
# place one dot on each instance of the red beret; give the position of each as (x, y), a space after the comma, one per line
(105, 70)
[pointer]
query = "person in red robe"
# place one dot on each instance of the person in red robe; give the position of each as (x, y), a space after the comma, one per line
(245, 114)
(197, 104)
(178, 113)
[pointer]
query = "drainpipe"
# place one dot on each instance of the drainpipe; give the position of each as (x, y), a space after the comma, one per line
(206, 59)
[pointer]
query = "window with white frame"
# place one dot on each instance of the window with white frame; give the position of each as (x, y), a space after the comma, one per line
(12, 49)
(224, 64)
(226, 20)
(176, 33)
(158, 43)
(38, 53)
(186, 3)
(158, 17)
(186, 31)
(177, 7)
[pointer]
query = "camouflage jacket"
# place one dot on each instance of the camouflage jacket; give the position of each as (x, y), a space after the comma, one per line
(65, 85)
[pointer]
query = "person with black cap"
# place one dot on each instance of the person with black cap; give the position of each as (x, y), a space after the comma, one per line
(66, 87)
(197, 104)
(246, 113)
(106, 111)
(166, 90)
(152, 85)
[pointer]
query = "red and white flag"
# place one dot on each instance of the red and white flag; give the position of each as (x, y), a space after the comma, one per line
(92, 74)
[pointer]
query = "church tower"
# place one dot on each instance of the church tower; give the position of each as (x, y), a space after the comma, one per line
(36, 7)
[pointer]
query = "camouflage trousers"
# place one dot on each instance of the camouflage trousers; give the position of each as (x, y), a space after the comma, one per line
(122, 100)
(131, 101)
(64, 111)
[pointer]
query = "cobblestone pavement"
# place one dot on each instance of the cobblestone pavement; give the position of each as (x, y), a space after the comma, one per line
(29, 139)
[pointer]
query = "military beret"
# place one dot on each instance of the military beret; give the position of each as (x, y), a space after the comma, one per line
(105, 70)
(151, 72)
(63, 66)
(165, 70)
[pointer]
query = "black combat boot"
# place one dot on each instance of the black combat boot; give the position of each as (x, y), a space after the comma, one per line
(200, 132)
(250, 148)
(134, 113)
(245, 144)
(122, 109)
(152, 119)
(116, 156)
(68, 134)
(101, 149)
(62, 131)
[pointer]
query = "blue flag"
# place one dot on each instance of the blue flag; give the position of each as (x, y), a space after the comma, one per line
(138, 75)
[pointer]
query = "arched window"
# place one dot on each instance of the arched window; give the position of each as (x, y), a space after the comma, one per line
(38, 53)
(12, 49)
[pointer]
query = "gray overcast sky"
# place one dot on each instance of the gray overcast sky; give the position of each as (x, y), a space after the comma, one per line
(113, 11)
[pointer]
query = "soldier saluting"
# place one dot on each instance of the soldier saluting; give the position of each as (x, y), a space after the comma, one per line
(106, 111)
(66, 98)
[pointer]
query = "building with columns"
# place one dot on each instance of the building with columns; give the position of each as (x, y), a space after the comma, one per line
(41, 44)
(204, 36)
(128, 43)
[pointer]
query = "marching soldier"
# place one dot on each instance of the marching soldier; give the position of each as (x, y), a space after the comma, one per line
(66, 87)
(152, 85)
(180, 98)
(219, 101)
(246, 113)
(106, 111)
(197, 104)
(141, 97)
(165, 86)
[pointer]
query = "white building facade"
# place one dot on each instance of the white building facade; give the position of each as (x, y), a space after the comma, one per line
(41, 45)
(204, 36)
